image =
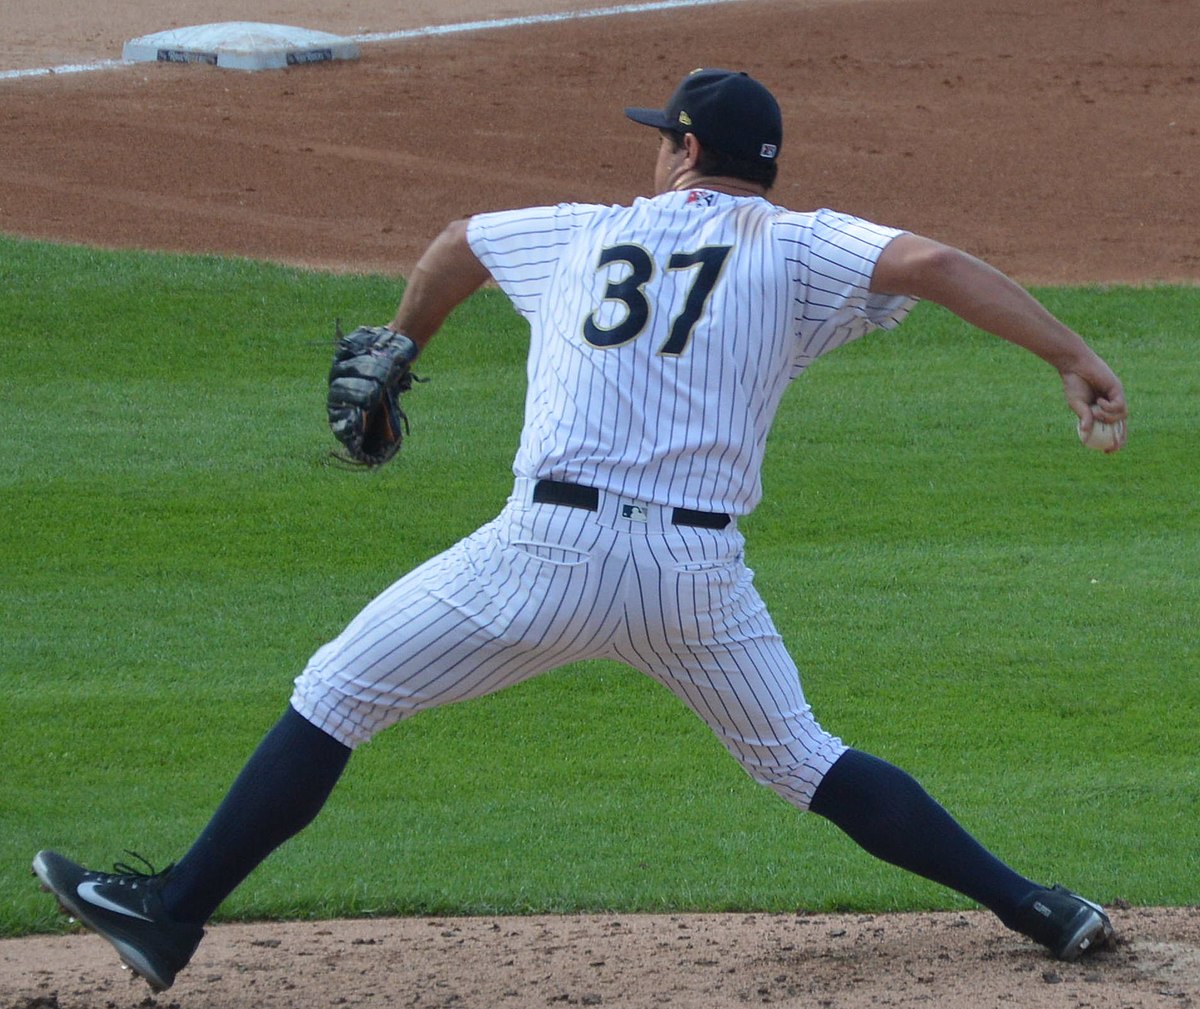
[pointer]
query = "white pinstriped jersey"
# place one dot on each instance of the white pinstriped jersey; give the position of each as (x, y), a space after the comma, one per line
(663, 334)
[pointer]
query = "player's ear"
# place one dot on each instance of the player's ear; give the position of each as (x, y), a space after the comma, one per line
(692, 149)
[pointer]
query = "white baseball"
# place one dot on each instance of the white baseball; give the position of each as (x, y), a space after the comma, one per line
(1102, 437)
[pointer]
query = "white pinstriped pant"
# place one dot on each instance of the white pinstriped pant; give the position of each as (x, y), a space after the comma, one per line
(543, 585)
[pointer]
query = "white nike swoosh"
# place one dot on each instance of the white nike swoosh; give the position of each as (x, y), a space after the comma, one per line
(87, 890)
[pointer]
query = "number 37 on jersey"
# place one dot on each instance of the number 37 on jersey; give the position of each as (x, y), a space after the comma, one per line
(629, 292)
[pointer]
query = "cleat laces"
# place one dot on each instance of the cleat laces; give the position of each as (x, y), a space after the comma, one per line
(123, 871)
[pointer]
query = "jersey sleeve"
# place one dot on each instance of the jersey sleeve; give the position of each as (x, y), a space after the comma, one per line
(521, 249)
(835, 304)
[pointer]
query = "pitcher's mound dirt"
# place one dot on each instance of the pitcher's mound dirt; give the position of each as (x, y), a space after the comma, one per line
(946, 959)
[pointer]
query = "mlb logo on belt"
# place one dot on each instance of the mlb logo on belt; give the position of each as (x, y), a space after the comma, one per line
(634, 512)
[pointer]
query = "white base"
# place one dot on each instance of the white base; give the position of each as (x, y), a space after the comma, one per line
(241, 45)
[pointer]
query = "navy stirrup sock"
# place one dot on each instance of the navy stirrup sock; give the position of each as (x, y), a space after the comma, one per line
(278, 793)
(890, 815)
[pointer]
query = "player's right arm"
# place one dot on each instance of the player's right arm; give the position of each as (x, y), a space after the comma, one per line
(991, 301)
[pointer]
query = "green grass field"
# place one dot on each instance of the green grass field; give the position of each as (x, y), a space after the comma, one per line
(970, 593)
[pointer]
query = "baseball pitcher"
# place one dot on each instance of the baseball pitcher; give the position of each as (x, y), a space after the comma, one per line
(662, 336)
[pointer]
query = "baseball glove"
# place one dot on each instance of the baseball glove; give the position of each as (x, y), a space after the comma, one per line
(370, 371)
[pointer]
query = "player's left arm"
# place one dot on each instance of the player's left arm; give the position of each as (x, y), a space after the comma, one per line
(447, 273)
(372, 366)
(990, 300)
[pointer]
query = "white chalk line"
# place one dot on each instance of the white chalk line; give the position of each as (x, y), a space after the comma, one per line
(413, 33)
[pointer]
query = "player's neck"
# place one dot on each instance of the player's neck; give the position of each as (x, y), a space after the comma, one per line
(719, 184)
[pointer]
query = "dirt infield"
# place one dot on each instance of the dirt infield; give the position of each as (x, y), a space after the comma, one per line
(1056, 139)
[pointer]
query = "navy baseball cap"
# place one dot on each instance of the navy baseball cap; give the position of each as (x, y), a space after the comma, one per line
(727, 110)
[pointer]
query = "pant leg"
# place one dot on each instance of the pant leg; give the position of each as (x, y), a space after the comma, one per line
(697, 625)
(525, 593)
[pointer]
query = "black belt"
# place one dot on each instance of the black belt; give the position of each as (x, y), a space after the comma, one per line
(575, 495)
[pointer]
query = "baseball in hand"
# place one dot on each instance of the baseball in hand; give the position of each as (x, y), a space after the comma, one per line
(1102, 437)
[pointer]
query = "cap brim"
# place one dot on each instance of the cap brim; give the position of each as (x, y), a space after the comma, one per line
(650, 117)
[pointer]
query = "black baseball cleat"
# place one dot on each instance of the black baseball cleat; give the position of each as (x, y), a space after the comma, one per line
(125, 907)
(1067, 924)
